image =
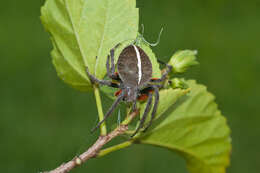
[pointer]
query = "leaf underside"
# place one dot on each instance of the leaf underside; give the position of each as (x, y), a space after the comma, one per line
(82, 30)
(195, 129)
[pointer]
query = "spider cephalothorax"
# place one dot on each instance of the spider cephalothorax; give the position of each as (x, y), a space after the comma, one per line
(134, 78)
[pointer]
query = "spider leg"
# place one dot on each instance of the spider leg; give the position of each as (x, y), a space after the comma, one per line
(111, 57)
(165, 74)
(156, 101)
(108, 66)
(134, 106)
(101, 82)
(111, 109)
(146, 111)
(112, 54)
(110, 71)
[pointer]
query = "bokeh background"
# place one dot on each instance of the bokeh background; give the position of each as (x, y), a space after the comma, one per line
(44, 122)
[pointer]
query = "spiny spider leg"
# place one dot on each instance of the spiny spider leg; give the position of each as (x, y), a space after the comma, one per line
(112, 54)
(101, 82)
(134, 106)
(111, 109)
(146, 111)
(110, 71)
(111, 57)
(108, 66)
(155, 106)
(165, 74)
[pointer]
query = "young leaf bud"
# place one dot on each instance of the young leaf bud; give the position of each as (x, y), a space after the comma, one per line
(178, 83)
(182, 60)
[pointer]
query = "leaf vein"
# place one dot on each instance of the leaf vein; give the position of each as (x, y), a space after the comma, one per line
(74, 29)
(103, 36)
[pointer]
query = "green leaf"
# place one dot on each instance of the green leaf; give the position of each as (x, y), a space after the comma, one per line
(195, 129)
(168, 97)
(182, 60)
(82, 30)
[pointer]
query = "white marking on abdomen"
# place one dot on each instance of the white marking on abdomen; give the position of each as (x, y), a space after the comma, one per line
(139, 64)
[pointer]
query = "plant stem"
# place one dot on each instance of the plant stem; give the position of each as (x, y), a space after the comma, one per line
(93, 151)
(114, 148)
(103, 129)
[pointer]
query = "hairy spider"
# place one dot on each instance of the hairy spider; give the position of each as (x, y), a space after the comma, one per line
(134, 79)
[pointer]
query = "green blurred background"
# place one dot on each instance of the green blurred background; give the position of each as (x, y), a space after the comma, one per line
(43, 122)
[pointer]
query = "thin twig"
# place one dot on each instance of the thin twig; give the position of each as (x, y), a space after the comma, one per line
(95, 148)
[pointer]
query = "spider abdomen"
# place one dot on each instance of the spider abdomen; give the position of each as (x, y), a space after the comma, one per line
(134, 66)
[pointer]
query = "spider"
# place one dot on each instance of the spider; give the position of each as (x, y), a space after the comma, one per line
(134, 79)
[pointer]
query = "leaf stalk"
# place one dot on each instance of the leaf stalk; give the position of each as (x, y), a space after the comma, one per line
(114, 148)
(103, 128)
